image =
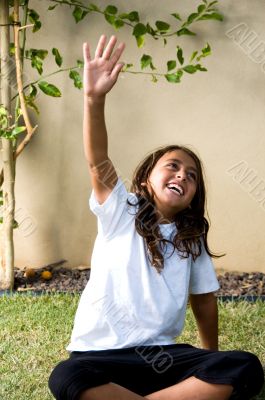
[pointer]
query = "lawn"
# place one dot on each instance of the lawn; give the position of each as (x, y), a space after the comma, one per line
(34, 332)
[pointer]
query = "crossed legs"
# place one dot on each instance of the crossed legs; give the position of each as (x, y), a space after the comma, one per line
(189, 389)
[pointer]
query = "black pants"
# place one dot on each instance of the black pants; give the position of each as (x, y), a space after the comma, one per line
(147, 369)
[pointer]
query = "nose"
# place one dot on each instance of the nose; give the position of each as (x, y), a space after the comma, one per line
(181, 175)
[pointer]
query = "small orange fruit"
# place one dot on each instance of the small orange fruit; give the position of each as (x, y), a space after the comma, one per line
(46, 275)
(29, 273)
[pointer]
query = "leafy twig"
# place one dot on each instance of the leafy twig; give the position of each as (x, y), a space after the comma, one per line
(30, 129)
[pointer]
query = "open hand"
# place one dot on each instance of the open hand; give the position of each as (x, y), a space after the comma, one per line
(101, 73)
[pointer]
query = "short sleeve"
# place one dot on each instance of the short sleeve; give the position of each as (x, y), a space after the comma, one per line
(203, 278)
(111, 211)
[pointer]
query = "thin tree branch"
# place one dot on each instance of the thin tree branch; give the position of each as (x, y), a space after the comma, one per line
(30, 129)
(26, 26)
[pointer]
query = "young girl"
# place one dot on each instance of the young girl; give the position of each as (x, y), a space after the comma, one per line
(150, 257)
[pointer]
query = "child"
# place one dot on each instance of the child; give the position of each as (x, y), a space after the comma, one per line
(150, 257)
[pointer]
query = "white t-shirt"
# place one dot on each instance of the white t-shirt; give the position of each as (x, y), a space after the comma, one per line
(126, 302)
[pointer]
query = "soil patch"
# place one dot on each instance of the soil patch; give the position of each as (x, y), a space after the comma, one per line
(54, 278)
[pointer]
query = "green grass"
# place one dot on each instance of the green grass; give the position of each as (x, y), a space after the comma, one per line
(34, 332)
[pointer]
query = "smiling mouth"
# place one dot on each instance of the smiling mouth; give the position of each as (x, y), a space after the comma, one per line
(176, 189)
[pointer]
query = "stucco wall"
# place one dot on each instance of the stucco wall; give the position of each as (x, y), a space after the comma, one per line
(219, 113)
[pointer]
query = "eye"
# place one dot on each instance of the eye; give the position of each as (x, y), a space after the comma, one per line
(192, 175)
(174, 164)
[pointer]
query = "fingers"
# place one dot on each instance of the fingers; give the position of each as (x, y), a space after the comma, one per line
(117, 54)
(106, 54)
(86, 53)
(109, 48)
(100, 46)
(116, 70)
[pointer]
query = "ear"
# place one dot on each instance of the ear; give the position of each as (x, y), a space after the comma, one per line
(143, 184)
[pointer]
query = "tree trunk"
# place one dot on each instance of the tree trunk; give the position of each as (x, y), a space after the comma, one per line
(7, 245)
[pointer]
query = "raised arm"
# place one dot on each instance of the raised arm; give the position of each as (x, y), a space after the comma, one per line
(100, 75)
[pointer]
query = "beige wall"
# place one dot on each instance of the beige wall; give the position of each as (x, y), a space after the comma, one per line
(220, 114)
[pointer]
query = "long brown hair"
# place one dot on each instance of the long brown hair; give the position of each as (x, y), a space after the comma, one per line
(192, 226)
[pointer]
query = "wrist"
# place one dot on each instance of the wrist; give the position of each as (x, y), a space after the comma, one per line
(94, 99)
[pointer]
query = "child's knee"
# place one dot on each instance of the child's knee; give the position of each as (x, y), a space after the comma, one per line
(60, 378)
(252, 376)
(71, 377)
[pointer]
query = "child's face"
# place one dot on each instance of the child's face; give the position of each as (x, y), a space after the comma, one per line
(174, 169)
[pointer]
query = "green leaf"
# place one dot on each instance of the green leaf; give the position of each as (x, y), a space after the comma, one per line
(177, 16)
(111, 10)
(3, 111)
(80, 63)
(139, 30)
(18, 113)
(36, 27)
(180, 55)
(42, 54)
(150, 29)
(192, 17)
(3, 117)
(52, 7)
(49, 89)
(212, 3)
(171, 64)
(76, 78)
(118, 24)
(194, 54)
(213, 15)
(93, 7)
(185, 31)
(154, 78)
(147, 61)
(57, 55)
(15, 224)
(12, 49)
(39, 53)
(206, 50)
(110, 19)
(199, 67)
(134, 16)
(162, 26)
(34, 19)
(174, 78)
(126, 67)
(33, 15)
(16, 131)
(37, 63)
(123, 16)
(190, 69)
(201, 8)
(32, 91)
(140, 41)
(165, 41)
(79, 14)
(30, 103)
